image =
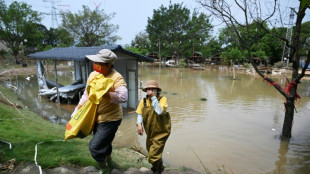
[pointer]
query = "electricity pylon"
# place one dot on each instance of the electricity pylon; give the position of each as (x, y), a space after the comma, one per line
(286, 48)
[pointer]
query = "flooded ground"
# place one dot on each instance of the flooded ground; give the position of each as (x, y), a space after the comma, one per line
(236, 129)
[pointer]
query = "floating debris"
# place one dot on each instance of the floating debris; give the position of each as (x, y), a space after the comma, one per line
(203, 99)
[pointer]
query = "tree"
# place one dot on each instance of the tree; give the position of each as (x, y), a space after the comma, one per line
(58, 37)
(89, 27)
(17, 22)
(175, 31)
(212, 48)
(305, 37)
(262, 41)
(140, 44)
(252, 13)
(34, 41)
(233, 54)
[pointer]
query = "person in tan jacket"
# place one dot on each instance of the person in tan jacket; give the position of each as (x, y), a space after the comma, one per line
(109, 112)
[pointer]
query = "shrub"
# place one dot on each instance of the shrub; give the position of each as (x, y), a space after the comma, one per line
(279, 64)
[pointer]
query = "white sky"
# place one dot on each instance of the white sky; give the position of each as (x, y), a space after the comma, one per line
(131, 15)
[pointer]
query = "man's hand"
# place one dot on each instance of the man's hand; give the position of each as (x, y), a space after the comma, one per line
(140, 128)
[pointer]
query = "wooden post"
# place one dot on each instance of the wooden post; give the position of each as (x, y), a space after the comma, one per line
(56, 79)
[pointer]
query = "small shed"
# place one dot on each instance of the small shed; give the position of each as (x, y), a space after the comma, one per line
(126, 64)
(197, 57)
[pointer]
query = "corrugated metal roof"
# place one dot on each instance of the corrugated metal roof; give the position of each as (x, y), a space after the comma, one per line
(79, 53)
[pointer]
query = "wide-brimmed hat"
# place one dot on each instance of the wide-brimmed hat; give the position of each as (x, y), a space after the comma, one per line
(104, 56)
(151, 84)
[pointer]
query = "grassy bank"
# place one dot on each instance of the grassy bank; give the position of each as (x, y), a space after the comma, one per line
(24, 129)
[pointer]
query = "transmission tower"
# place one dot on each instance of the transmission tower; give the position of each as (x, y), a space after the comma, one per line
(286, 48)
(53, 12)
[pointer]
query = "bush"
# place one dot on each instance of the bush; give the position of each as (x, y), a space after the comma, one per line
(246, 65)
(279, 64)
(182, 63)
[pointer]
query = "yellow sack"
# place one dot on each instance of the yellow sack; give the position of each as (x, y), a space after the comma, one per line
(82, 122)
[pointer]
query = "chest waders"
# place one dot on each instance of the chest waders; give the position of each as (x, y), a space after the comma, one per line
(157, 128)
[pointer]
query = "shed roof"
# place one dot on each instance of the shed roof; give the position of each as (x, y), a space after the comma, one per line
(79, 53)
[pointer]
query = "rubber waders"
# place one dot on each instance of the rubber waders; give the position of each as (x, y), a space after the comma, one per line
(111, 163)
(104, 168)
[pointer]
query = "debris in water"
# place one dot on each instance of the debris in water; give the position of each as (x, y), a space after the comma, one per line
(28, 78)
(203, 99)
(273, 129)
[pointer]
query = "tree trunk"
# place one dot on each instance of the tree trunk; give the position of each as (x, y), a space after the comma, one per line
(288, 119)
(16, 58)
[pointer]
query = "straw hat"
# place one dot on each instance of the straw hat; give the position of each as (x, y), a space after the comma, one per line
(151, 84)
(104, 56)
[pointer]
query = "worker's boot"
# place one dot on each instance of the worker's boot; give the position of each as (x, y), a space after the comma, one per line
(154, 168)
(104, 168)
(160, 167)
(111, 163)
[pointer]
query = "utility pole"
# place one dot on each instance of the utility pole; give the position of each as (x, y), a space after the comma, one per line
(194, 51)
(159, 56)
(286, 48)
(53, 12)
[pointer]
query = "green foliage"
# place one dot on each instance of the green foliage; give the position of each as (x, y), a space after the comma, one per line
(36, 39)
(48, 47)
(260, 43)
(305, 37)
(59, 37)
(141, 41)
(141, 51)
(212, 48)
(17, 22)
(5, 54)
(259, 54)
(90, 27)
(246, 65)
(175, 30)
(233, 54)
(279, 64)
(182, 63)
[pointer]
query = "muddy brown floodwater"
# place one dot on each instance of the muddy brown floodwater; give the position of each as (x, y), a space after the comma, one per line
(237, 129)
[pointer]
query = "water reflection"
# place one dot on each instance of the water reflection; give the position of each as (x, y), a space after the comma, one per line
(27, 90)
(238, 127)
(282, 161)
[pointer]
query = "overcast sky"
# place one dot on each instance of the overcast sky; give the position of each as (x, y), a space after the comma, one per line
(131, 15)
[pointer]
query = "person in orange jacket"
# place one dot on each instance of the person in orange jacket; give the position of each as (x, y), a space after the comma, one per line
(109, 112)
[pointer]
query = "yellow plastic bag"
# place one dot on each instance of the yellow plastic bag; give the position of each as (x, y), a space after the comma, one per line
(82, 123)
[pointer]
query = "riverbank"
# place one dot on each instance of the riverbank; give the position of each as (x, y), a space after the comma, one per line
(28, 143)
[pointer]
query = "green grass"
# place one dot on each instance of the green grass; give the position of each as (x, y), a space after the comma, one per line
(24, 129)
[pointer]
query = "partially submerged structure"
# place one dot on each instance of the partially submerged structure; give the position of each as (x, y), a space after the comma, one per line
(127, 65)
